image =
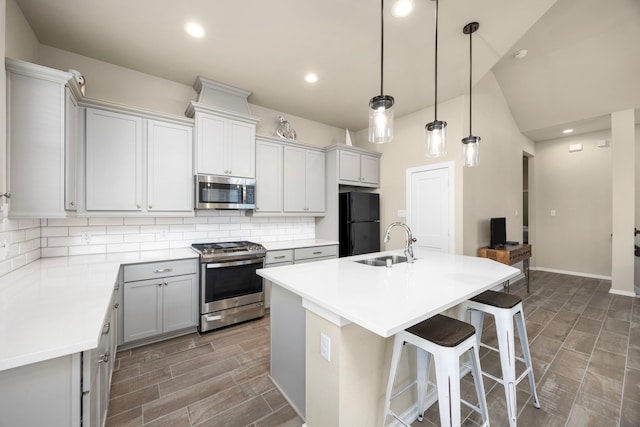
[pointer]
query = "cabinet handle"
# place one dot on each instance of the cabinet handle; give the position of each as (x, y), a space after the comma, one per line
(72, 203)
(115, 306)
(103, 358)
(279, 257)
(106, 328)
(139, 205)
(317, 253)
(163, 270)
(150, 207)
(160, 284)
(166, 283)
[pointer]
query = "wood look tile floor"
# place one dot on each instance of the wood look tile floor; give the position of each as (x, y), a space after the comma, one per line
(585, 345)
(214, 379)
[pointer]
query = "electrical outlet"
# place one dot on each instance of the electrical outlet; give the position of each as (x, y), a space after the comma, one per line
(4, 249)
(325, 347)
(86, 237)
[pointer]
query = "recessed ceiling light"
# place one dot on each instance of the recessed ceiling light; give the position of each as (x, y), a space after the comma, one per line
(521, 53)
(311, 78)
(567, 131)
(194, 30)
(402, 8)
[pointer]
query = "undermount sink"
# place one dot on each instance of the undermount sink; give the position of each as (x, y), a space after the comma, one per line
(381, 261)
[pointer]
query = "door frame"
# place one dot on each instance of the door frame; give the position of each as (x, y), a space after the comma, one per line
(450, 168)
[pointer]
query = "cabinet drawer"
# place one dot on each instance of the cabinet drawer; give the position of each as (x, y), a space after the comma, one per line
(154, 270)
(316, 252)
(285, 255)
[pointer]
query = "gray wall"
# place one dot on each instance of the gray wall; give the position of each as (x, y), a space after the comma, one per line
(577, 185)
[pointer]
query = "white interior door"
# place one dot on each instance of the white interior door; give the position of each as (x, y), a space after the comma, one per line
(429, 206)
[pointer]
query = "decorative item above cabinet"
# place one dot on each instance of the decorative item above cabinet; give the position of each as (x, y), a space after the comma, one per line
(225, 130)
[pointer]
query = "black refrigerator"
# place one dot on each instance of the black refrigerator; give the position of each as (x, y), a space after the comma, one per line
(359, 223)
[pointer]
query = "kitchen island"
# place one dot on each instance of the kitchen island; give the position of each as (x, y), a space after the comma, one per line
(355, 309)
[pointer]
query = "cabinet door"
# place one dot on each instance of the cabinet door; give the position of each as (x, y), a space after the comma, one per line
(349, 169)
(370, 169)
(71, 140)
(315, 173)
(169, 171)
(268, 177)
(35, 119)
(180, 302)
(142, 309)
(241, 149)
(294, 179)
(114, 161)
(210, 142)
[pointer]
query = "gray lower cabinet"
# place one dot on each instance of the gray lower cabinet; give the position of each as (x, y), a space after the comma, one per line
(159, 299)
(67, 391)
(288, 325)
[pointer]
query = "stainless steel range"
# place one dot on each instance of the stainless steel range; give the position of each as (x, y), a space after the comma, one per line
(230, 289)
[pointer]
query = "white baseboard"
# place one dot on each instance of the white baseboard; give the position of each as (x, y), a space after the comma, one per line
(573, 273)
(623, 293)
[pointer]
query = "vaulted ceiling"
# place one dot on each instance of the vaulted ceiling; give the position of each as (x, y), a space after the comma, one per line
(582, 62)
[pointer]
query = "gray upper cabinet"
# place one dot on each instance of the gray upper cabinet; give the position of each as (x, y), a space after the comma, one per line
(113, 161)
(268, 177)
(137, 165)
(169, 167)
(225, 145)
(357, 168)
(42, 132)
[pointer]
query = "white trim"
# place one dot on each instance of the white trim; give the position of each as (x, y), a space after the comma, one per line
(623, 293)
(450, 167)
(572, 273)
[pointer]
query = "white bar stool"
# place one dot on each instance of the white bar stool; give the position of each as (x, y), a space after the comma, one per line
(504, 307)
(446, 339)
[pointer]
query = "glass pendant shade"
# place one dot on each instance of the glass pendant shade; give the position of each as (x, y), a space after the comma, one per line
(471, 151)
(381, 119)
(436, 138)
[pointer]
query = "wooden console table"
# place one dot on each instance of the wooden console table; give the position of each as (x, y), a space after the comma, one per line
(509, 254)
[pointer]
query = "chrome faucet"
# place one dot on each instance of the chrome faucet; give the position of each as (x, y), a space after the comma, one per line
(408, 250)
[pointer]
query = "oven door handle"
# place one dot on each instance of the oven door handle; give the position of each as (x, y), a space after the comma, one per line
(211, 318)
(234, 263)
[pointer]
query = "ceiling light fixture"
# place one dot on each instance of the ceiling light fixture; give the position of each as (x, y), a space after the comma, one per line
(381, 106)
(470, 144)
(194, 30)
(311, 78)
(567, 131)
(402, 8)
(436, 131)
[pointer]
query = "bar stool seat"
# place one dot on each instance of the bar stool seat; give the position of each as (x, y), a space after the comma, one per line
(505, 308)
(446, 340)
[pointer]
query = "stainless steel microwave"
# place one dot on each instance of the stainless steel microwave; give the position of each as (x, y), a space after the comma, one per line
(224, 192)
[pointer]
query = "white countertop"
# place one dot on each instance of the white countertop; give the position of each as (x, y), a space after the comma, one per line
(388, 300)
(54, 307)
(295, 244)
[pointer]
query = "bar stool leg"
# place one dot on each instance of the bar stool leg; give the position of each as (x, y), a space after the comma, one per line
(423, 365)
(524, 342)
(504, 325)
(476, 371)
(398, 342)
(448, 381)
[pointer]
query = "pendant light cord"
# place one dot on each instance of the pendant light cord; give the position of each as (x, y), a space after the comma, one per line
(470, 78)
(435, 107)
(381, 47)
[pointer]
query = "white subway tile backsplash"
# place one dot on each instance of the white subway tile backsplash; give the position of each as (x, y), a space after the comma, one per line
(30, 239)
(106, 221)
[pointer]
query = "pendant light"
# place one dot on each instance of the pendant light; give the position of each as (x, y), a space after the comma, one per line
(381, 106)
(436, 131)
(470, 144)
